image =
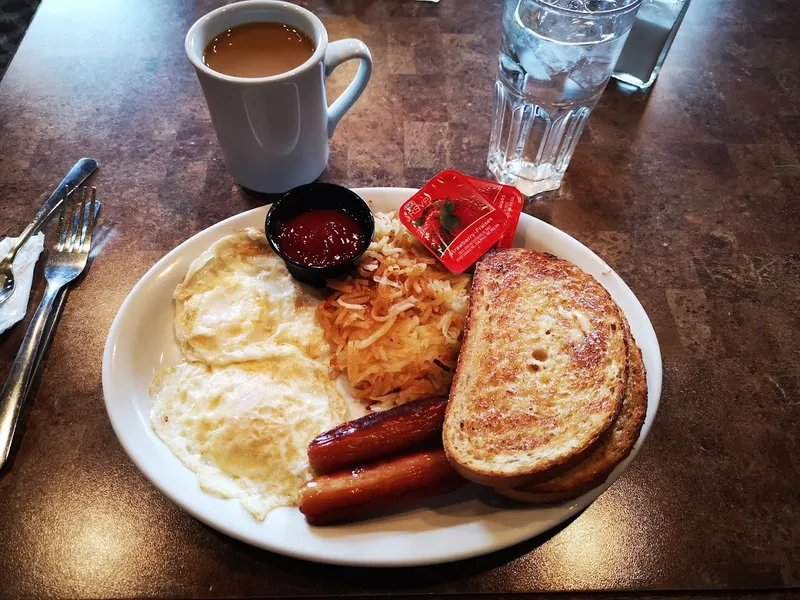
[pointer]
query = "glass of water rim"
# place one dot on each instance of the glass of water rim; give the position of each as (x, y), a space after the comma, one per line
(555, 61)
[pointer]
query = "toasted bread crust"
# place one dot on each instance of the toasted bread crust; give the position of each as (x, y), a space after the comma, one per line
(615, 445)
(542, 370)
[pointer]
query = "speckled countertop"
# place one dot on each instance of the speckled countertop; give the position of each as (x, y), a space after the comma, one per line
(690, 193)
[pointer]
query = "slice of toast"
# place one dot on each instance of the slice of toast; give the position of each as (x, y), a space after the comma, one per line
(542, 370)
(615, 445)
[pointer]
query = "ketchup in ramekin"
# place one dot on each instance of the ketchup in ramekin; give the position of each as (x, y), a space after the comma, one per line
(320, 230)
(320, 238)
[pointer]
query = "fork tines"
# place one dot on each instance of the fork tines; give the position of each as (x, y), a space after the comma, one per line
(76, 223)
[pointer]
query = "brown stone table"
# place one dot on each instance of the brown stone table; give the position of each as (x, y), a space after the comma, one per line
(691, 193)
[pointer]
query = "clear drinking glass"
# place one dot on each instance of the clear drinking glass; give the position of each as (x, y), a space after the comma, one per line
(557, 57)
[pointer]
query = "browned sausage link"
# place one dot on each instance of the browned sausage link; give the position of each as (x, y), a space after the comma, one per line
(359, 493)
(378, 435)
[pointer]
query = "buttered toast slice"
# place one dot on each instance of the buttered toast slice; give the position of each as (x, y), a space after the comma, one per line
(615, 445)
(542, 370)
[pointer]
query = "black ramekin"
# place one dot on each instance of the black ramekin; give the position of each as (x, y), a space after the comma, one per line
(315, 196)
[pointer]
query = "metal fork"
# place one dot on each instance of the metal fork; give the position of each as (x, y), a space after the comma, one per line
(67, 260)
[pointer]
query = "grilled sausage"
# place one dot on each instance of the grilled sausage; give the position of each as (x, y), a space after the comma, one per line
(378, 435)
(360, 492)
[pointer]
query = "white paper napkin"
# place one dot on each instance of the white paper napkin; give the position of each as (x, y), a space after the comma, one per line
(14, 309)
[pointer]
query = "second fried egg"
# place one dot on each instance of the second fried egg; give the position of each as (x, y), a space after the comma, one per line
(244, 429)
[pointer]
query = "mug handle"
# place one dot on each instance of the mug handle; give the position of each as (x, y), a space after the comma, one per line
(338, 52)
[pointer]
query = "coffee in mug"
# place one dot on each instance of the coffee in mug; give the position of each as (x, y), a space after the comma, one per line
(259, 49)
(273, 128)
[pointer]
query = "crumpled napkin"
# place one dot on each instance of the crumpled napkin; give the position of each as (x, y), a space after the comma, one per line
(14, 309)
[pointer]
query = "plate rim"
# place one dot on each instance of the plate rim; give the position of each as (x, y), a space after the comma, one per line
(570, 508)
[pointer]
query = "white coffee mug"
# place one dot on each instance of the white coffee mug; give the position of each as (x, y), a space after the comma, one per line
(274, 130)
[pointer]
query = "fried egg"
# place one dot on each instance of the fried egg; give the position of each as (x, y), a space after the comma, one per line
(239, 303)
(245, 428)
(254, 386)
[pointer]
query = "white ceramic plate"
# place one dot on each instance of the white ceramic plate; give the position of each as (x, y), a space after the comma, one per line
(466, 523)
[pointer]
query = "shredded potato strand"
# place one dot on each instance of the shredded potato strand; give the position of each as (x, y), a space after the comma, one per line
(396, 325)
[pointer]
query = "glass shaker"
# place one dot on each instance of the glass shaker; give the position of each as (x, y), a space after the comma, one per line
(649, 41)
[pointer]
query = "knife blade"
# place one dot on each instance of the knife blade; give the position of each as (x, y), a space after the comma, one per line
(76, 176)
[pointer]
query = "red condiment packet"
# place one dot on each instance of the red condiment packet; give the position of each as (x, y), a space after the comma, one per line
(505, 197)
(453, 220)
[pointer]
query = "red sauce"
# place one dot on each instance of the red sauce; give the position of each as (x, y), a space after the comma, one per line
(320, 238)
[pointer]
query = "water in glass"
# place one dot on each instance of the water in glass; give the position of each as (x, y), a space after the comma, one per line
(556, 59)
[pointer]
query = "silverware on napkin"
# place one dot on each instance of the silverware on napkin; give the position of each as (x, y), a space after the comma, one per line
(76, 176)
(67, 260)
